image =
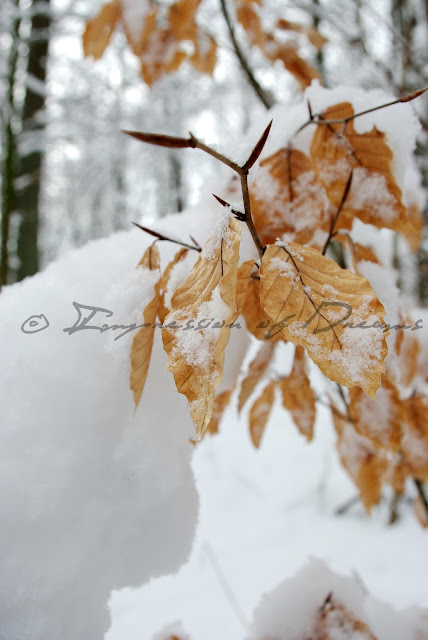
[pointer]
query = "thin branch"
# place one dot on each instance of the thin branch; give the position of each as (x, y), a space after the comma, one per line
(194, 143)
(160, 236)
(421, 491)
(336, 217)
(318, 119)
(248, 217)
(265, 98)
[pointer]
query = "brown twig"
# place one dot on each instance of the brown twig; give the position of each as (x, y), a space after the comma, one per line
(194, 143)
(160, 236)
(265, 98)
(318, 119)
(339, 210)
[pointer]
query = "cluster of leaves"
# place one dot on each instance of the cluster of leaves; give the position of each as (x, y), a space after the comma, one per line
(298, 207)
(165, 37)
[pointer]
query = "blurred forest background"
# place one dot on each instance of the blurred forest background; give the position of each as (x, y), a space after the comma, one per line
(68, 174)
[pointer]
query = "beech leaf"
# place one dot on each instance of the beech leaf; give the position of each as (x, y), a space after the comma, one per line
(99, 30)
(143, 340)
(330, 311)
(196, 355)
(260, 411)
(336, 149)
(298, 396)
(256, 370)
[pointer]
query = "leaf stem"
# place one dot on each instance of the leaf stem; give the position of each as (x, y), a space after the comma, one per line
(336, 217)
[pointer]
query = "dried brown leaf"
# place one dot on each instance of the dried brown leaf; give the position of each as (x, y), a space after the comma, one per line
(292, 61)
(143, 340)
(298, 396)
(250, 20)
(313, 35)
(336, 621)
(260, 411)
(204, 57)
(330, 311)
(379, 420)
(414, 445)
(366, 465)
(256, 319)
(210, 290)
(286, 197)
(336, 149)
(221, 401)
(98, 31)
(415, 230)
(256, 370)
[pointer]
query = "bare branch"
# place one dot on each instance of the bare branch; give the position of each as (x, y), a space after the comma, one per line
(160, 236)
(265, 97)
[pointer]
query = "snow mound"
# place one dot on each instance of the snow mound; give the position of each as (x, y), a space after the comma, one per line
(93, 495)
(292, 610)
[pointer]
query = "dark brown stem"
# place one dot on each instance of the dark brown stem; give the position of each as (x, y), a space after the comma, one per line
(248, 217)
(265, 98)
(339, 210)
(160, 236)
(318, 119)
(421, 491)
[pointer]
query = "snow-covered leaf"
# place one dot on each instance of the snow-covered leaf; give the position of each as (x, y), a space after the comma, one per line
(330, 311)
(196, 330)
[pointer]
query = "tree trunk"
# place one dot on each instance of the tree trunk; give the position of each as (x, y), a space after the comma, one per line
(8, 199)
(32, 157)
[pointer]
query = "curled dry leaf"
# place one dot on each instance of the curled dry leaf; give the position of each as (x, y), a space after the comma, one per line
(256, 370)
(99, 30)
(336, 149)
(414, 445)
(330, 311)
(336, 621)
(415, 230)
(286, 197)
(196, 355)
(221, 401)
(407, 347)
(143, 340)
(366, 465)
(298, 396)
(379, 420)
(260, 411)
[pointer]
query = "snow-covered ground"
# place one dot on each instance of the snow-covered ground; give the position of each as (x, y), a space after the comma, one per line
(263, 515)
